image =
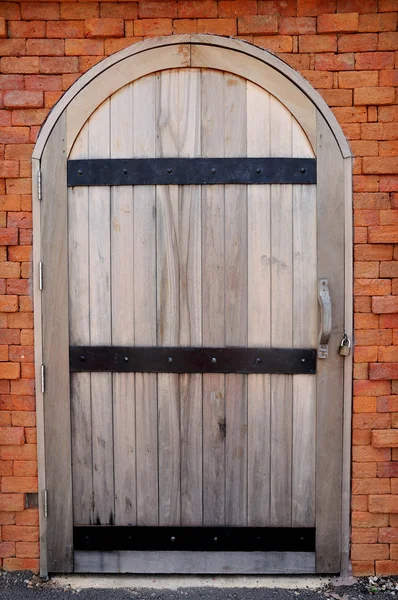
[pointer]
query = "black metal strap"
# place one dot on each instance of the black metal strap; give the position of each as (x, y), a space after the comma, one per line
(266, 539)
(124, 359)
(190, 171)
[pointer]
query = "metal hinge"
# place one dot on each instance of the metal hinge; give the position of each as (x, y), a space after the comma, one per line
(45, 504)
(39, 190)
(40, 275)
(42, 379)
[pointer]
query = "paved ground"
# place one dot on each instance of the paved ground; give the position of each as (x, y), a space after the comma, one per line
(21, 586)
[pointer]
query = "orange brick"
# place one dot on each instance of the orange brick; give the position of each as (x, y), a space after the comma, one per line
(378, 22)
(380, 165)
(25, 452)
(370, 252)
(43, 82)
(13, 47)
(359, 503)
(17, 533)
(6, 468)
(257, 24)
(388, 535)
(369, 420)
(12, 502)
(387, 354)
(297, 25)
(280, 43)
(333, 62)
(27, 549)
(22, 99)
(355, 114)
(364, 470)
(217, 26)
(360, 235)
(64, 64)
(45, 47)
(9, 370)
(70, 10)
(29, 484)
(26, 29)
(24, 64)
(191, 9)
(150, 10)
(372, 337)
(389, 183)
(361, 437)
(366, 148)
(318, 43)
(379, 131)
(185, 26)
(29, 516)
(373, 95)
(383, 371)
(374, 60)
(315, 7)
(359, 42)
(382, 504)
(365, 217)
(369, 551)
(7, 549)
(102, 28)
(361, 371)
(385, 438)
(388, 41)
(365, 404)
(8, 303)
(362, 568)
(153, 27)
(40, 10)
(387, 404)
(21, 564)
(387, 304)
(389, 148)
(362, 321)
(25, 469)
(364, 536)
(337, 22)
(370, 454)
(389, 217)
(359, 6)
(372, 287)
(65, 29)
(364, 183)
(383, 234)
(384, 567)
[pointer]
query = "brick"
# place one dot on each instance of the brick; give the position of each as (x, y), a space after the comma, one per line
(29, 516)
(21, 354)
(364, 183)
(337, 22)
(382, 504)
(70, 10)
(365, 217)
(114, 45)
(384, 567)
(29, 484)
(385, 438)
(361, 371)
(388, 41)
(379, 131)
(356, 79)
(152, 9)
(20, 253)
(387, 304)
(365, 321)
(360, 470)
(387, 404)
(19, 533)
(361, 437)
(25, 468)
(6, 468)
(359, 42)
(12, 502)
(348, 115)
(257, 24)
(367, 148)
(22, 99)
(387, 354)
(359, 503)
(45, 47)
(43, 82)
(65, 29)
(372, 287)
(27, 549)
(364, 404)
(333, 62)
(318, 43)
(389, 183)
(102, 28)
(191, 9)
(26, 29)
(153, 27)
(24, 64)
(280, 43)
(7, 549)
(21, 564)
(40, 10)
(9, 371)
(286, 8)
(29, 116)
(374, 60)
(11, 82)
(369, 551)
(10, 10)
(219, 27)
(369, 420)
(388, 469)
(65, 64)
(373, 252)
(185, 26)
(378, 22)
(370, 454)
(389, 78)
(13, 47)
(362, 568)
(8, 303)
(383, 234)
(373, 95)
(380, 165)
(389, 217)
(359, 6)
(389, 149)
(9, 168)
(315, 7)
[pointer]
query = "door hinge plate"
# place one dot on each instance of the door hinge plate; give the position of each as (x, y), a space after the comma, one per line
(39, 185)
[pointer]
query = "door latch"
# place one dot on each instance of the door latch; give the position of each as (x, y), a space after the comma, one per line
(326, 318)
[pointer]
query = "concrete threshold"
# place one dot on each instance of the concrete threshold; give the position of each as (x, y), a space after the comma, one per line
(173, 582)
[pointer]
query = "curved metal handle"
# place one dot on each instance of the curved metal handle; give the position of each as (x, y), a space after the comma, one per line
(326, 318)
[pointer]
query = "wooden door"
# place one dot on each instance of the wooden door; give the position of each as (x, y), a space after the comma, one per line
(191, 423)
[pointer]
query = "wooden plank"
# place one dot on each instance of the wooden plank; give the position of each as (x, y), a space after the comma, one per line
(79, 332)
(235, 258)
(145, 306)
(331, 232)
(56, 353)
(245, 563)
(190, 327)
(305, 331)
(213, 297)
(259, 314)
(100, 323)
(168, 303)
(281, 319)
(122, 303)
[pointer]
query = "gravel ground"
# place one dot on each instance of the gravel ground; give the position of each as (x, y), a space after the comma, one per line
(22, 586)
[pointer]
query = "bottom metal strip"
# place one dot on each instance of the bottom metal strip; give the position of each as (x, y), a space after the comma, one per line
(196, 563)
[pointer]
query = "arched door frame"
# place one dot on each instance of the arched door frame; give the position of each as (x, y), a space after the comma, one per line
(50, 237)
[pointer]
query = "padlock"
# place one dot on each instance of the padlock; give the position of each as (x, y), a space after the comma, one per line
(345, 346)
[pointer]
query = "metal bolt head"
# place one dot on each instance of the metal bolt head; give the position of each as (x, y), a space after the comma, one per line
(303, 170)
(258, 360)
(258, 171)
(169, 171)
(173, 538)
(303, 360)
(214, 360)
(124, 171)
(215, 539)
(169, 359)
(80, 172)
(213, 171)
(126, 359)
(82, 358)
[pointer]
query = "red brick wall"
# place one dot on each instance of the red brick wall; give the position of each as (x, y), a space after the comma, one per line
(347, 49)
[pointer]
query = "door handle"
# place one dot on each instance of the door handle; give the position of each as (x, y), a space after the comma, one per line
(325, 304)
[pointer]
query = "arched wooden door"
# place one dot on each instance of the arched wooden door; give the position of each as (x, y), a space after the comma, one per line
(202, 223)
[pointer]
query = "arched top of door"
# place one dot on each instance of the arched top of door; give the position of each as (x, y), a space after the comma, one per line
(202, 51)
